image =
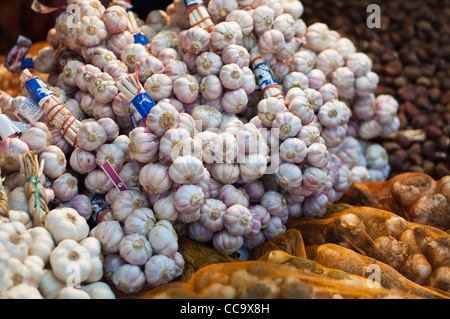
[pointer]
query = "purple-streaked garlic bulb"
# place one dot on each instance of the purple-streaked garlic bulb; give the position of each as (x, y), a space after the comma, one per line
(159, 270)
(230, 195)
(293, 150)
(195, 40)
(243, 18)
(135, 249)
(65, 187)
(92, 31)
(163, 238)
(82, 161)
(315, 205)
(274, 202)
(159, 86)
(197, 232)
(232, 76)
(237, 220)
(155, 179)
(143, 144)
(211, 214)
(274, 228)
(91, 136)
(112, 154)
(289, 125)
(269, 108)
(97, 182)
(234, 101)
(140, 221)
(188, 199)
(317, 155)
(109, 234)
(115, 19)
(289, 176)
(186, 170)
(226, 242)
(302, 108)
(127, 201)
(207, 118)
(186, 88)
(82, 204)
(208, 63)
(225, 33)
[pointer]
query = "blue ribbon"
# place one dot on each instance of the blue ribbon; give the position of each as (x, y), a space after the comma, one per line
(37, 89)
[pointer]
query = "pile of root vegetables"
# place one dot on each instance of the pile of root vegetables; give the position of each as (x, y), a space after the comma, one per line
(220, 157)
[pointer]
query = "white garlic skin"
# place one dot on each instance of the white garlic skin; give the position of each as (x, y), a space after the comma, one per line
(237, 220)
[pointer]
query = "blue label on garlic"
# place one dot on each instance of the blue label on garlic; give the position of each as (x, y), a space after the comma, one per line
(263, 75)
(38, 89)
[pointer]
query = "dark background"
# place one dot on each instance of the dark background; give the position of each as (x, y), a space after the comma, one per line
(16, 18)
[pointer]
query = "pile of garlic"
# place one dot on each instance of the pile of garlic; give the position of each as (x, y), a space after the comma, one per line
(58, 261)
(214, 160)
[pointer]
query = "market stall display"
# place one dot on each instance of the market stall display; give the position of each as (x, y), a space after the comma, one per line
(160, 151)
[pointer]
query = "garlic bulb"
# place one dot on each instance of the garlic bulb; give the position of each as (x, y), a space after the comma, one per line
(140, 221)
(188, 199)
(135, 249)
(9, 148)
(125, 202)
(143, 144)
(274, 202)
(91, 136)
(302, 108)
(244, 18)
(288, 124)
(269, 108)
(186, 170)
(65, 187)
(289, 176)
(159, 270)
(115, 19)
(226, 242)
(163, 238)
(208, 63)
(82, 161)
(164, 208)
(195, 40)
(15, 239)
(55, 161)
(112, 154)
(208, 117)
(129, 279)
(82, 204)
(97, 182)
(109, 234)
(131, 54)
(155, 179)
(234, 101)
(293, 150)
(231, 76)
(225, 33)
(158, 86)
(211, 215)
(274, 228)
(237, 220)
(230, 195)
(66, 223)
(317, 155)
(37, 136)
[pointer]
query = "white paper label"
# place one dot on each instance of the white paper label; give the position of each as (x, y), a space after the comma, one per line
(29, 111)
